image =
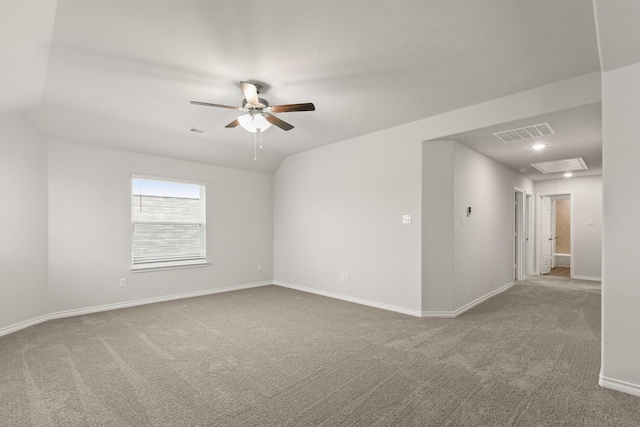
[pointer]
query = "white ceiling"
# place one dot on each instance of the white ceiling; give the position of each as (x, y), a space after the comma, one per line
(618, 24)
(578, 133)
(25, 36)
(120, 73)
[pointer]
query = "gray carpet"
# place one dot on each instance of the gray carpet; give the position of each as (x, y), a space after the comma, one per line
(273, 356)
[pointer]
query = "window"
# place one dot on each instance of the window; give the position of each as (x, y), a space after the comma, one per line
(167, 223)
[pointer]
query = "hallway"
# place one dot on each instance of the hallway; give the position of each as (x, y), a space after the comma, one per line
(560, 272)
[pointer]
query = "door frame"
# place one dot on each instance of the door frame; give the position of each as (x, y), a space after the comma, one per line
(529, 227)
(554, 232)
(554, 196)
(523, 260)
(546, 240)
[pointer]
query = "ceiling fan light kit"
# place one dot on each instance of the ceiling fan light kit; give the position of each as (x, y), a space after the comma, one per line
(259, 115)
(252, 122)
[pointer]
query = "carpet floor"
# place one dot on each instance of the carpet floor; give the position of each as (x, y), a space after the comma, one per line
(271, 356)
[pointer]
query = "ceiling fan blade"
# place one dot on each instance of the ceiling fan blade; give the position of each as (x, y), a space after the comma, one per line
(277, 122)
(206, 104)
(293, 107)
(233, 124)
(250, 92)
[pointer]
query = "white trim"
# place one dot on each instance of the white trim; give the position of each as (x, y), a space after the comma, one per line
(173, 261)
(95, 309)
(23, 325)
(529, 234)
(394, 308)
(556, 196)
(448, 314)
(468, 306)
(347, 298)
(595, 279)
(623, 386)
(168, 179)
(169, 265)
(520, 236)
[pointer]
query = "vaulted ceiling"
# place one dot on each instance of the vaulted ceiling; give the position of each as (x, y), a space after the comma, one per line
(120, 73)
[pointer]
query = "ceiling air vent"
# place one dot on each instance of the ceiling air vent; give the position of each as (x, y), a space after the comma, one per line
(201, 131)
(566, 165)
(527, 132)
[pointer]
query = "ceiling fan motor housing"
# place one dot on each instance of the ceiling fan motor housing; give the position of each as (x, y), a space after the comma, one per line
(262, 103)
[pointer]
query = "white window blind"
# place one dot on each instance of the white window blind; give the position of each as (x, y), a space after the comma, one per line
(167, 223)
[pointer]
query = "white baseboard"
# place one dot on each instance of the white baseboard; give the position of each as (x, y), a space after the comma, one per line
(348, 298)
(468, 306)
(438, 314)
(390, 307)
(23, 325)
(595, 279)
(623, 386)
(95, 309)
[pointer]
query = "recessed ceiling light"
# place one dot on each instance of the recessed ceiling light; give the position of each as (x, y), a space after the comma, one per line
(538, 146)
(568, 175)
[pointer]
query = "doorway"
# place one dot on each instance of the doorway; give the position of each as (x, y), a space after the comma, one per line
(555, 234)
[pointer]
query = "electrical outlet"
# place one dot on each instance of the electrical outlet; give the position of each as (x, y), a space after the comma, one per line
(123, 282)
(259, 267)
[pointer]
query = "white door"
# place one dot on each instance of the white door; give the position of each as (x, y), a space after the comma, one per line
(528, 249)
(545, 240)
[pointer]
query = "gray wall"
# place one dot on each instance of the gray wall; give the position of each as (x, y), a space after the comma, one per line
(338, 209)
(334, 205)
(465, 262)
(587, 205)
(484, 245)
(438, 165)
(90, 222)
(23, 222)
(621, 243)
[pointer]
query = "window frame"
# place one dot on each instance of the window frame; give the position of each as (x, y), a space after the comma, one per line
(169, 264)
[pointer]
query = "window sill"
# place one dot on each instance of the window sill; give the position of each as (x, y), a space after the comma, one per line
(158, 266)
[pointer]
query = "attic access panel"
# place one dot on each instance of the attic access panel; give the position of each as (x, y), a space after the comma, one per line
(566, 165)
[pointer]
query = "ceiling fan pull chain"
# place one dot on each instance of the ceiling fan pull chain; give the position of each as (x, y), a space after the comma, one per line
(259, 132)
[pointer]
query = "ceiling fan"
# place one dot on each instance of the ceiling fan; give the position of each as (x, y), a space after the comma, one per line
(259, 115)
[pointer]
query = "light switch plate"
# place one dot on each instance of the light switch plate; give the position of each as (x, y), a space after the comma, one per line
(406, 219)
